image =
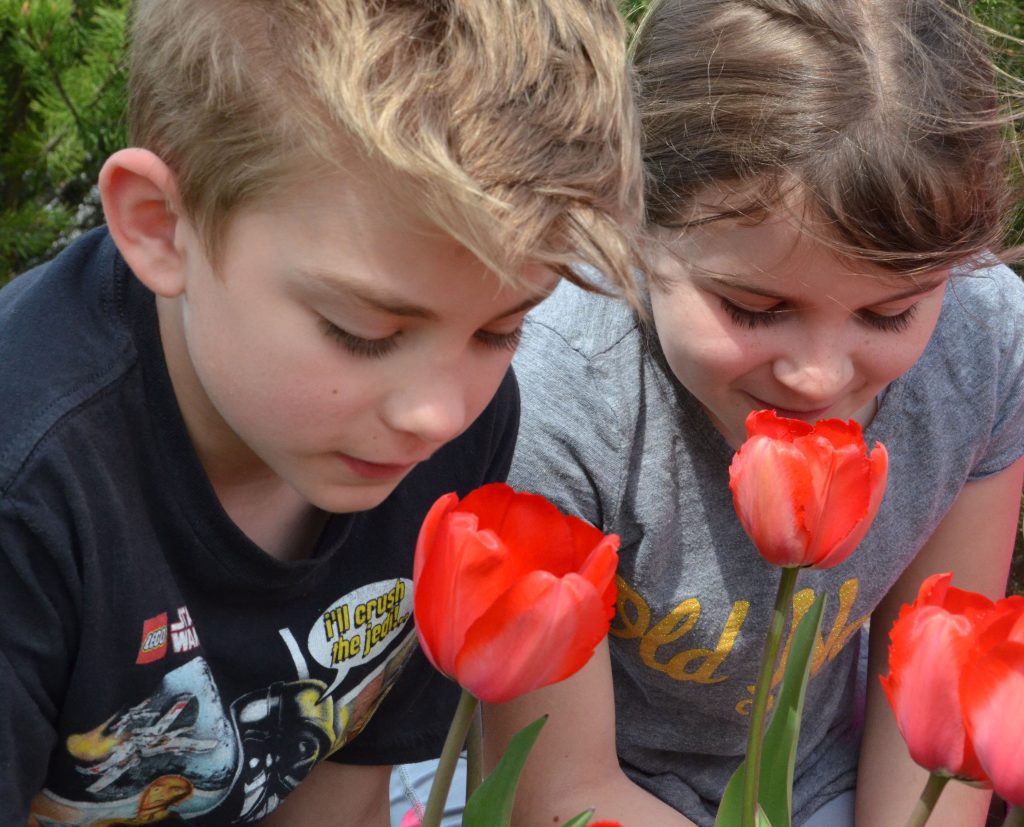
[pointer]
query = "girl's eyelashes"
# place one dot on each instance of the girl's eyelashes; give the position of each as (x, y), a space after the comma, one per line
(889, 324)
(357, 345)
(751, 319)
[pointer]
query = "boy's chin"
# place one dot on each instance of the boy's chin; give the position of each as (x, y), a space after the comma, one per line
(353, 499)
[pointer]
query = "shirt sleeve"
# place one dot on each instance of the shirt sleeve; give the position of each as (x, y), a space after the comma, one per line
(570, 439)
(36, 651)
(1001, 319)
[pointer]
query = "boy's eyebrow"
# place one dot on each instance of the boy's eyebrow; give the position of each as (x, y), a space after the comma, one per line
(338, 283)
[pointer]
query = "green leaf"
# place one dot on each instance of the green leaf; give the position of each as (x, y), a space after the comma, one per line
(581, 820)
(491, 804)
(778, 754)
(730, 811)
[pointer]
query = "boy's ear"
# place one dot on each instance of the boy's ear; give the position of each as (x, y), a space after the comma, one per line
(140, 201)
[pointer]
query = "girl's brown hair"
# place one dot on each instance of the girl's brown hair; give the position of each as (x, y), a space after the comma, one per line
(883, 114)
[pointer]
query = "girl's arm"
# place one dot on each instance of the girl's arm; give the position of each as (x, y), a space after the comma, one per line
(573, 766)
(337, 795)
(975, 542)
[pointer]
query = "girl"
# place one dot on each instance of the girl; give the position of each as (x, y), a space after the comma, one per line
(826, 187)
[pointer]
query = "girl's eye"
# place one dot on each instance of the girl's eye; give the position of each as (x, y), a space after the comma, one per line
(889, 324)
(500, 341)
(357, 345)
(751, 318)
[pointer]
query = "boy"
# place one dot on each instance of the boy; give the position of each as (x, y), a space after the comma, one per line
(226, 413)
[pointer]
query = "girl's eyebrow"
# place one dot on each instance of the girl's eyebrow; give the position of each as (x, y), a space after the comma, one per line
(737, 283)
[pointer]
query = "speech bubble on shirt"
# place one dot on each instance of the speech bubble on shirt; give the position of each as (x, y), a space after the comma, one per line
(360, 626)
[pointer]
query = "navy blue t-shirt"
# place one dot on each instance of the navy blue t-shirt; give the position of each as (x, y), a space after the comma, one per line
(152, 658)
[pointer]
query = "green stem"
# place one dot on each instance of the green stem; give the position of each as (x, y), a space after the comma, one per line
(926, 803)
(1014, 818)
(474, 754)
(449, 756)
(783, 600)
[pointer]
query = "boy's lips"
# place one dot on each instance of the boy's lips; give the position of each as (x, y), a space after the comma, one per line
(376, 470)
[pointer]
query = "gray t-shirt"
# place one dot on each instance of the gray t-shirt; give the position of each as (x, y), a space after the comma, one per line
(608, 434)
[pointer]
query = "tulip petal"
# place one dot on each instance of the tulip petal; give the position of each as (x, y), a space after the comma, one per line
(841, 433)
(993, 703)
(455, 584)
(877, 473)
(539, 632)
(535, 532)
(771, 425)
(771, 485)
(599, 568)
(929, 648)
(429, 529)
(1004, 623)
(840, 501)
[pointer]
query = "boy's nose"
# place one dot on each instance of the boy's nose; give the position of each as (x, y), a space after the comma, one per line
(819, 376)
(432, 408)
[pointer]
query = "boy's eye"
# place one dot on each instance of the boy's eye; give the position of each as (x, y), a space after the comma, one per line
(895, 323)
(745, 317)
(500, 341)
(359, 346)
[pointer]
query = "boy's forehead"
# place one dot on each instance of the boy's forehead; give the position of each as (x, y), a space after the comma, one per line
(394, 298)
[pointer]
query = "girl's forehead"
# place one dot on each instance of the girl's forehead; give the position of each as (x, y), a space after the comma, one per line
(777, 257)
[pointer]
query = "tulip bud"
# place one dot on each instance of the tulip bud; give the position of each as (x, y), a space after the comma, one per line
(510, 594)
(806, 495)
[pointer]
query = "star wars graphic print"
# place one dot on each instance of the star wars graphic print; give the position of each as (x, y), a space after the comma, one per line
(186, 752)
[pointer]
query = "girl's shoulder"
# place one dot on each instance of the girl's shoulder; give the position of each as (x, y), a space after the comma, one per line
(982, 315)
(994, 288)
(589, 324)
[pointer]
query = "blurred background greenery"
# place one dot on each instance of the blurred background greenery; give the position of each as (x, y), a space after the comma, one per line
(62, 113)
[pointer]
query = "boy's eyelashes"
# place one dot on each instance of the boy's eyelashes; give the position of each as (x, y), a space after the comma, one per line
(500, 341)
(751, 319)
(360, 346)
(378, 348)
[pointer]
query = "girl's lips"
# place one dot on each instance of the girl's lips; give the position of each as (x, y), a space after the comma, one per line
(375, 470)
(787, 413)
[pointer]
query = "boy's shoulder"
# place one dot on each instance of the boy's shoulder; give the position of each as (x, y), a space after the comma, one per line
(64, 338)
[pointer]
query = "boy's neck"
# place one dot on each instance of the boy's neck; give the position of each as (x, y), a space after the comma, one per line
(267, 509)
(274, 516)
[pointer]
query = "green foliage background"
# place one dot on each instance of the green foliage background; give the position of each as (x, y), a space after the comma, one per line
(62, 112)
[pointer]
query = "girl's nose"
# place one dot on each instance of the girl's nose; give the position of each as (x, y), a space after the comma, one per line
(817, 375)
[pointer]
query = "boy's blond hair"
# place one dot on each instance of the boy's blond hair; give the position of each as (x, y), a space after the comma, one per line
(509, 123)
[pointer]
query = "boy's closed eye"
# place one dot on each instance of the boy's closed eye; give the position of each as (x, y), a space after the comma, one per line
(379, 347)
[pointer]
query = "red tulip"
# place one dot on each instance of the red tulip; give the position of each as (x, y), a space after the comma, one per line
(992, 695)
(930, 643)
(510, 595)
(806, 494)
